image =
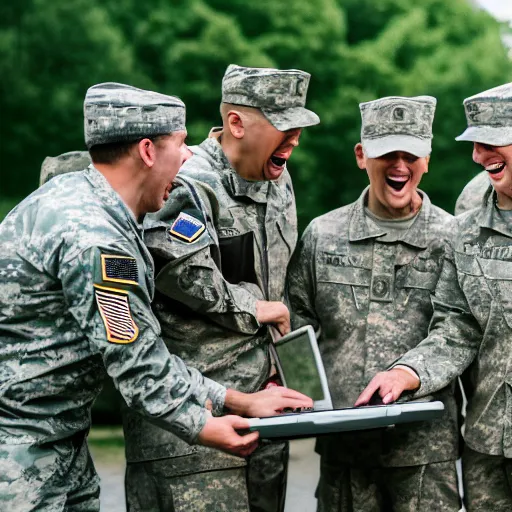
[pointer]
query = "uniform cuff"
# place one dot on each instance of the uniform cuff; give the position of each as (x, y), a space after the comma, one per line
(217, 394)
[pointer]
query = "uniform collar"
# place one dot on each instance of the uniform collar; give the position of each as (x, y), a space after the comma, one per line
(361, 227)
(490, 217)
(110, 198)
(235, 184)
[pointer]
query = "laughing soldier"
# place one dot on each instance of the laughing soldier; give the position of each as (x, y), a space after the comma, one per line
(364, 274)
(221, 247)
(473, 315)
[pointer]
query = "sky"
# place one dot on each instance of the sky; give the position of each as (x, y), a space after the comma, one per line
(500, 9)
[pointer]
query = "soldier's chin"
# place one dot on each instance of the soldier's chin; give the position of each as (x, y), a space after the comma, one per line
(273, 171)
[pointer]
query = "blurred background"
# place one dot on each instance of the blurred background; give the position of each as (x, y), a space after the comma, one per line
(51, 51)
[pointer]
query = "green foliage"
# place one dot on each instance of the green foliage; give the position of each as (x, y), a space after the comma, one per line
(356, 50)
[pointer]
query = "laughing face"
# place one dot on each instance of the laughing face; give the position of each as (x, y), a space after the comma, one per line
(394, 179)
(256, 149)
(270, 149)
(497, 161)
(171, 152)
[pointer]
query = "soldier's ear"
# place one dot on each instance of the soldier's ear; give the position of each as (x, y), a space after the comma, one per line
(147, 152)
(236, 124)
(360, 156)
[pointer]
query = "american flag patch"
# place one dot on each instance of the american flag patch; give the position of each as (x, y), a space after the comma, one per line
(119, 269)
(186, 227)
(115, 311)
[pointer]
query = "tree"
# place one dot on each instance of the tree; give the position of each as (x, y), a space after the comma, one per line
(356, 50)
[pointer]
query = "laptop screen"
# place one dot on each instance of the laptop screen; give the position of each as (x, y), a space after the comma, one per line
(298, 364)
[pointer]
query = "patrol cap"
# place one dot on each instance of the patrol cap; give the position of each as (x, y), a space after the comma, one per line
(489, 116)
(279, 94)
(121, 113)
(397, 123)
(62, 164)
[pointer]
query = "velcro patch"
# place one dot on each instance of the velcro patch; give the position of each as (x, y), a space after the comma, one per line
(119, 269)
(115, 311)
(187, 228)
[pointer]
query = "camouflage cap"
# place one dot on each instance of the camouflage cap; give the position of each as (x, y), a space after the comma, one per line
(62, 164)
(122, 113)
(279, 94)
(397, 123)
(489, 116)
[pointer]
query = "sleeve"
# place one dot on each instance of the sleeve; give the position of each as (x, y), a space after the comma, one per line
(184, 245)
(454, 336)
(301, 289)
(106, 292)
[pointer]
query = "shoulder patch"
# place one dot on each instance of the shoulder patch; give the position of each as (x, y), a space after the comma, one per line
(119, 269)
(114, 308)
(187, 228)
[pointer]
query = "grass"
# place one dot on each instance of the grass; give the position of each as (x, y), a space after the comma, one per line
(107, 445)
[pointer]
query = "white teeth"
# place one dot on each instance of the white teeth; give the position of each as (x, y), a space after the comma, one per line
(493, 167)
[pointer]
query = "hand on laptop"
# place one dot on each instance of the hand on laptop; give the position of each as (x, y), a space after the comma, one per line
(389, 385)
(275, 313)
(268, 402)
(221, 433)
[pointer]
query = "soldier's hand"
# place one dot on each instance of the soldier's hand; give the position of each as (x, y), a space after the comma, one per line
(221, 433)
(390, 385)
(275, 313)
(268, 402)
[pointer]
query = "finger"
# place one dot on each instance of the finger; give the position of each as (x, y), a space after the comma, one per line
(249, 439)
(388, 398)
(368, 392)
(237, 422)
(292, 394)
(245, 452)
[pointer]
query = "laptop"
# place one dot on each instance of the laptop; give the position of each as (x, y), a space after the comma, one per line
(300, 367)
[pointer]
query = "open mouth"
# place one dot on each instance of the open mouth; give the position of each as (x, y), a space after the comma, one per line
(495, 168)
(277, 160)
(397, 182)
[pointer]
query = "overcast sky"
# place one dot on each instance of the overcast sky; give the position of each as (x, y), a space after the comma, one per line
(500, 9)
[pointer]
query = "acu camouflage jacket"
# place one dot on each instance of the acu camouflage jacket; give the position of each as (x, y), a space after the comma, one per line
(473, 323)
(371, 301)
(75, 287)
(207, 288)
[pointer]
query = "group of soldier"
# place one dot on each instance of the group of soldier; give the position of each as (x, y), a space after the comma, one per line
(168, 283)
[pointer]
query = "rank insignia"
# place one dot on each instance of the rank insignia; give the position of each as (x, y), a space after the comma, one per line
(115, 311)
(187, 228)
(119, 269)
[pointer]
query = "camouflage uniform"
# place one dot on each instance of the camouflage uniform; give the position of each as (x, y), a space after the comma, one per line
(367, 287)
(206, 298)
(473, 194)
(75, 291)
(472, 323)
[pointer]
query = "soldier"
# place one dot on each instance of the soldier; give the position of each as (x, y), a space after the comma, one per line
(62, 164)
(76, 283)
(472, 319)
(221, 247)
(364, 275)
(473, 194)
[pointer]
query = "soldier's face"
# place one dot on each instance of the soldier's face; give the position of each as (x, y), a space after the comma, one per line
(269, 149)
(394, 179)
(497, 161)
(171, 152)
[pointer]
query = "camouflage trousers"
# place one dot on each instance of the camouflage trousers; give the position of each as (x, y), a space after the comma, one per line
(487, 482)
(428, 488)
(260, 486)
(52, 477)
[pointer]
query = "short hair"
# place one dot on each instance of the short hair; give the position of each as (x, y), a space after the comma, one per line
(112, 152)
